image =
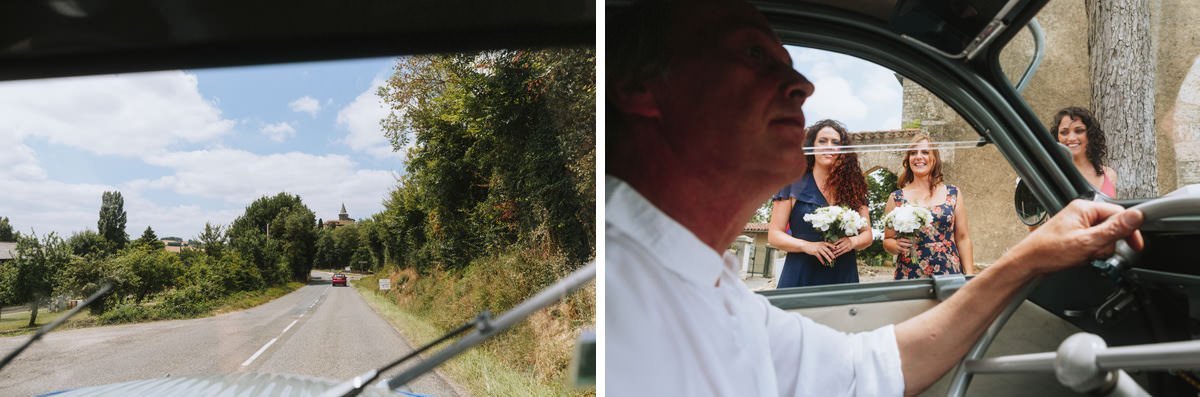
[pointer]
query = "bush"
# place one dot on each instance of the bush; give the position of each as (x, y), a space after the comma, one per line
(185, 303)
(125, 313)
(542, 344)
(235, 274)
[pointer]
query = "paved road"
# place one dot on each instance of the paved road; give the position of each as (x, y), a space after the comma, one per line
(318, 331)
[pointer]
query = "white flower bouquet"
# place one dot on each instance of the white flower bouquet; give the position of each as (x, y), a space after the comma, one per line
(908, 221)
(836, 222)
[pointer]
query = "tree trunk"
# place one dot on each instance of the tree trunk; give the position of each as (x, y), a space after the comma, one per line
(33, 306)
(1122, 91)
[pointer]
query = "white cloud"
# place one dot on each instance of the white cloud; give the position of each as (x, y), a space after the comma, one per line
(361, 118)
(128, 115)
(305, 104)
(184, 221)
(860, 94)
(278, 132)
(18, 160)
(238, 177)
(834, 99)
(50, 206)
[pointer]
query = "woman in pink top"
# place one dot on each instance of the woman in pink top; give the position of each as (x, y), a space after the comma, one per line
(1076, 128)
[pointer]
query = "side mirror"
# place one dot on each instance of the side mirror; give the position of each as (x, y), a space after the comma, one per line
(583, 361)
(1029, 210)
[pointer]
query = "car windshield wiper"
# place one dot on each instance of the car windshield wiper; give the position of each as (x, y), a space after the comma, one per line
(54, 324)
(485, 327)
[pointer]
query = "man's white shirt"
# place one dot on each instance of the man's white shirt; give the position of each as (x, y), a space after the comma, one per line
(680, 322)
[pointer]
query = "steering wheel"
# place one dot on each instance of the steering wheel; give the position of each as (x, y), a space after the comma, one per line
(1182, 202)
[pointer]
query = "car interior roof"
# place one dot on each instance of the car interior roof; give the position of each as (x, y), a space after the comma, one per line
(49, 38)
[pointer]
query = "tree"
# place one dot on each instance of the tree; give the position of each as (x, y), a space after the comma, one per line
(326, 255)
(361, 259)
(212, 240)
(36, 266)
(345, 243)
(152, 271)
(371, 238)
(1122, 64)
(149, 240)
(763, 213)
(501, 147)
(880, 184)
(112, 220)
(6, 231)
(274, 230)
(83, 276)
(404, 226)
(88, 243)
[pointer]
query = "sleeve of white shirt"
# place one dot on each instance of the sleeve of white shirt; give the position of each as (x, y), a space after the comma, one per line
(812, 359)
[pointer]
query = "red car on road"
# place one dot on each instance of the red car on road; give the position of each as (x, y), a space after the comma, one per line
(339, 279)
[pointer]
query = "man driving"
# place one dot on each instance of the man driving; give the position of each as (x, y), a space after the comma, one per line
(705, 122)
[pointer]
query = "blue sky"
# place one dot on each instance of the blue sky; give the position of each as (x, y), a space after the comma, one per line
(189, 147)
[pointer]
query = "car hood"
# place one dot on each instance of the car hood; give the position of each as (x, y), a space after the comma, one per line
(265, 385)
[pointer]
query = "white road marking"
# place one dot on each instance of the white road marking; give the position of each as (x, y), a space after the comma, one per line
(260, 351)
(285, 330)
(288, 327)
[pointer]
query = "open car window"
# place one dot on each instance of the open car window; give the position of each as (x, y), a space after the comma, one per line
(883, 112)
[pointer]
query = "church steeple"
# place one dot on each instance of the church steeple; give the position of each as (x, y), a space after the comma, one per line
(343, 216)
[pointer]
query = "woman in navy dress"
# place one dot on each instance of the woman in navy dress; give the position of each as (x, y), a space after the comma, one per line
(831, 178)
(945, 248)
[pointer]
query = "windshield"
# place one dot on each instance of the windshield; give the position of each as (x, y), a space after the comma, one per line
(314, 219)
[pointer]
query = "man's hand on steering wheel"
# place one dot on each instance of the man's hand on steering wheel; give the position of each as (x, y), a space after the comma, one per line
(1082, 231)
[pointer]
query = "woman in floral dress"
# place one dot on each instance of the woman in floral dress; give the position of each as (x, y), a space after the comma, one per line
(832, 179)
(945, 247)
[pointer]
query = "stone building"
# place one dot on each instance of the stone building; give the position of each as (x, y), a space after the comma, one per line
(8, 251)
(175, 244)
(343, 219)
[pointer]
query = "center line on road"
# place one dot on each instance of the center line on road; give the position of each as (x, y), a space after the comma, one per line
(260, 351)
(285, 330)
(289, 326)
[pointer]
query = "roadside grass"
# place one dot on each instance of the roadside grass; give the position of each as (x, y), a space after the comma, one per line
(15, 324)
(248, 299)
(481, 370)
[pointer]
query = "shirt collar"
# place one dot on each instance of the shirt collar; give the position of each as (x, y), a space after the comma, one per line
(672, 245)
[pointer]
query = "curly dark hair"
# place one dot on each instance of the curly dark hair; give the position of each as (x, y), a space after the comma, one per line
(1097, 147)
(846, 179)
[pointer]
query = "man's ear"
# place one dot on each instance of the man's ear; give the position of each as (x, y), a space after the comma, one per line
(635, 98)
